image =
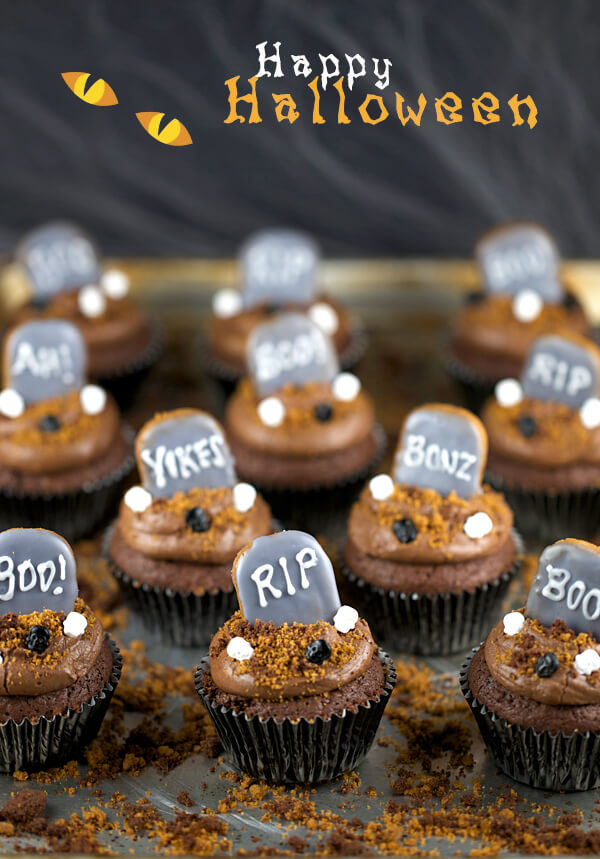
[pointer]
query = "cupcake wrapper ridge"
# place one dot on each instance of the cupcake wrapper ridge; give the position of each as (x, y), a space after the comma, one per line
(475, 388)
(125, 382)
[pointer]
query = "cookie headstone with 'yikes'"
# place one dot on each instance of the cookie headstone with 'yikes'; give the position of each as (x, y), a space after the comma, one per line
(37, 572)
(286, 578)
(279, 267)
(442, 448)
(58, 257)
(563, 370)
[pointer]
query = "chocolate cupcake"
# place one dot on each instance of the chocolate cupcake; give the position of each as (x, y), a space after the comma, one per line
(534, 686)
(430, 553)
(58, 670)
(524, 297)
(300, 430)
(294, 683)
(544, 433)
(177, 536)
(66, 281)
(64, 453)
(278, 273)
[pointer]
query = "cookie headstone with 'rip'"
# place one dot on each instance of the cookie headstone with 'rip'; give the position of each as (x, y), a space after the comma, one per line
(290, 349)
(442, 448)
(44, 359)
(520, 256)
(278, 267)
(286, 578)
(37, 572)
(58, 257)
(567, 586)
(562, 370)
(182, 450)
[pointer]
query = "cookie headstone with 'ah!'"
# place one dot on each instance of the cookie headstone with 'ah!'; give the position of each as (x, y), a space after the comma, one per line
(562, 369)
(58, 257)
(37, 572)
(279, 267)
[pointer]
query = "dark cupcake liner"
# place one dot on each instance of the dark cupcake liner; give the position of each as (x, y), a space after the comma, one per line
(124, 383)
(74, 514)
(300, 751)
(545, 760)
(31, 746)
(429, 625)
(475, 388)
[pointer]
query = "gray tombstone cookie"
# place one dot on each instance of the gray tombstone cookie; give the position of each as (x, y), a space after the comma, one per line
(279, 267)
(443, 448)
(563, 370)
(286, 578)
(289, 348)
(58, 257)
(37, 571)
(182, 450)
(567, 586)
(44, 358)
(520, 256)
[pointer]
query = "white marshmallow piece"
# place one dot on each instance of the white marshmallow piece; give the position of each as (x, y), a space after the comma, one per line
(91, 301)
(240, 649)
(587, 662)
(115, 283)
(74, 624)
(589, 413)
(137, 499)
(345, 618)
(345, 387)
(508, 393)
(271, 411)
(244, 496)
(226, 303)
(12, 404)
(92, 399)
(478, 525)
(513, 622)
(325, 317)
(1, 659)
(527, 305)
(381, 486)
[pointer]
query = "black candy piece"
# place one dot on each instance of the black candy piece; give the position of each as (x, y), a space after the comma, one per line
(546, 665)
(527, 425)
(323, 412)
(38, 639)
(49, 423)
(474, 297)
(198, 519)
(570, 301)
(405, 530)
(271, 309)
(318, 651)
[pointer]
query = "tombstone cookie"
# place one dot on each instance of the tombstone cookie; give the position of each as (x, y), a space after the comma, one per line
(562, 369)
(279, 267)
(57, 257)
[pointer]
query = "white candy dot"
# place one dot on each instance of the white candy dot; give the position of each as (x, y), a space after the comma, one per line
(92, 399)
(226, 303)
(137, 499)
(513, 622)
(587, 662)
(244, 496)
(345, 387)
(527, 305)
(74, 624)
(271, 411)
(115, 283)
(1, 659)
(325, 317)
(91, 301)
(478, 525)
(12, 404)
(240, 649)
(345, 618)
(381, 486)
(590, 413)
(508, 392)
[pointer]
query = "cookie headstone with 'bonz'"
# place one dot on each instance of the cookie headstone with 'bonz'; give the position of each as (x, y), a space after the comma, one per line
(37, 572)
(58, 257)
(562, 369)
(279, 266)
(442, 448)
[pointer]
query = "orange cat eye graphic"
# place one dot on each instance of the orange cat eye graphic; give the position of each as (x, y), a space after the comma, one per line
(99, 93)
(174, 133)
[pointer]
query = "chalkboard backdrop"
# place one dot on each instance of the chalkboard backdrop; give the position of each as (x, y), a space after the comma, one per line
(360, 189)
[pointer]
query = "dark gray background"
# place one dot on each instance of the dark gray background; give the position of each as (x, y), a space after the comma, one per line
(384, 190)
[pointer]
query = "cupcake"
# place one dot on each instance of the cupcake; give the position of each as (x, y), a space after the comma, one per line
(177, 535)
(523, 298)
(534, 686)
(66, 281)
(58, 668)
(544, 433)
(279, 270)
(294, 683)
(430, 552)
(64, 453)
(298, 428)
